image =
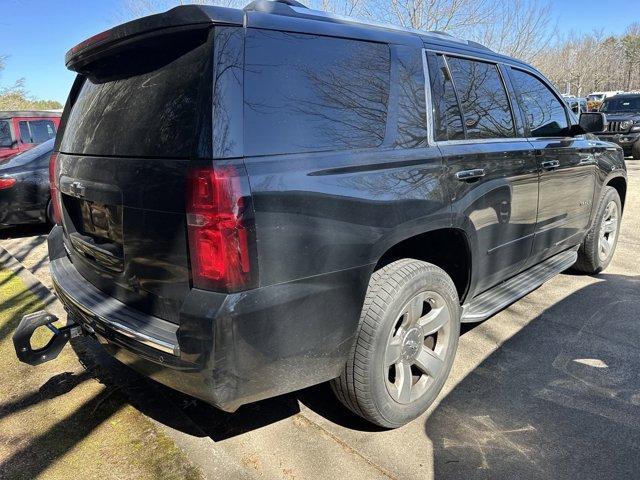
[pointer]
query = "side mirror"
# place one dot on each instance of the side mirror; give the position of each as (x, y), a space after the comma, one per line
(592, 122)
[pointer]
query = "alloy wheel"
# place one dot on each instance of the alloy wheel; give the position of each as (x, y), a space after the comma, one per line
(608, 231)
(417, 347)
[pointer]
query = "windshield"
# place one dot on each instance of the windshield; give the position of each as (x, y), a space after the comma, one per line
(5, 134)
(623, 104)
(595, 98)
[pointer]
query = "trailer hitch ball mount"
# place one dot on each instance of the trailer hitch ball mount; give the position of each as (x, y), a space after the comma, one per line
(26, 328)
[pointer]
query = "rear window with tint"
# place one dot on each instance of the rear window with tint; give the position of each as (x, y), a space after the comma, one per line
(143, 101)
(308, 93)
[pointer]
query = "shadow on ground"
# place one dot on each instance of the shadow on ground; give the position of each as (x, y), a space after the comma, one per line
(560, 399)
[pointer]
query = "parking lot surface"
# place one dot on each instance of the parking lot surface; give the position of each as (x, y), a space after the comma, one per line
(547, 388)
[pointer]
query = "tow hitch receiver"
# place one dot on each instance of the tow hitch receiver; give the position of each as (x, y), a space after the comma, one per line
(24, 332)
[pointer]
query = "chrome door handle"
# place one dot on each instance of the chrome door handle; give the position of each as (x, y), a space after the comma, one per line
(550, 164)
(465, 175)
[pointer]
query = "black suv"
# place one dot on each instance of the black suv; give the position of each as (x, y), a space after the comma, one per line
(623, 117)
(250, 202)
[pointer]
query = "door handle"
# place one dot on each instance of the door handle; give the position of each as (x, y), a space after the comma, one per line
(550, 164)
(473, 174)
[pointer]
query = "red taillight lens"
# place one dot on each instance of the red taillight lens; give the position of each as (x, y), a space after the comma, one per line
(220, 228)
(53, 185)
(7, 183)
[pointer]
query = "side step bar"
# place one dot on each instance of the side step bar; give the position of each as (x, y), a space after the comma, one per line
(502, 295)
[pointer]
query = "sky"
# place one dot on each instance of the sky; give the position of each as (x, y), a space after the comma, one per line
(35, 34)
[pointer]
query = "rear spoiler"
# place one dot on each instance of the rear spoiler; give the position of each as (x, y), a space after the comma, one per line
(188, 16)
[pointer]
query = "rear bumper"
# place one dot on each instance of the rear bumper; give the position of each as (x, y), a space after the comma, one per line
(227, 350)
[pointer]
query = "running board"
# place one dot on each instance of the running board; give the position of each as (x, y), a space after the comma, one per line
(504, 294)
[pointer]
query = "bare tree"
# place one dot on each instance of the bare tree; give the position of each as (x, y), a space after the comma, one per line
(523, 29)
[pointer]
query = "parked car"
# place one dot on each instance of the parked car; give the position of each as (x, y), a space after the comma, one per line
(623, 117)
(20, 131)
(595, 99)
(577, 105)
(250, 202)
(24, 187)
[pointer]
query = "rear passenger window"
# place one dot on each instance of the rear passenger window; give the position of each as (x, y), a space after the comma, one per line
(25, 135)
(412, 115)
(448, 120)
(543, 111)
(36, 131)
(483, 99)
(308, 93)
(5, 134)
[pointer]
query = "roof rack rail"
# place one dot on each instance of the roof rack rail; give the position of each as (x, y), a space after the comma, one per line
(294, 8)
(267, 5)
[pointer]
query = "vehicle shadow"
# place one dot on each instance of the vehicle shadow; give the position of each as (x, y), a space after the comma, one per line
(560, 399)
(178, 410)
(22, 231)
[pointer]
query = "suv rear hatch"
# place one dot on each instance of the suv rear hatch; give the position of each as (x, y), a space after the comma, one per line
(133, 125)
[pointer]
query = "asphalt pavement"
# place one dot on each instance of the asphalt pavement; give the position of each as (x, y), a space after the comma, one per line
(548, 388)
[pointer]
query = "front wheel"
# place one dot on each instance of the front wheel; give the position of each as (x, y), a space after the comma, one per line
(405, 344)
(599, 245)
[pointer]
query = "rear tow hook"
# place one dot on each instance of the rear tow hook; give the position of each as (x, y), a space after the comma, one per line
(26, 328)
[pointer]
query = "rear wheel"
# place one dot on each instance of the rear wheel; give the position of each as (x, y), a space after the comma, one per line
(599, 245)
(405, 346)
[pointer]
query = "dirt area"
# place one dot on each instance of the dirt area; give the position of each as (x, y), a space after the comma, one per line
(58, 421)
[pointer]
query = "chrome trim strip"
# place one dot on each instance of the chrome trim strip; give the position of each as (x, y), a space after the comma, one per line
(428, 99)
(482, 140)
(308, 12)
(142, 338)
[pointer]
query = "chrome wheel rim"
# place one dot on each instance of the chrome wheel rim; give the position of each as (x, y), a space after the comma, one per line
(608, 231)
(417, 347)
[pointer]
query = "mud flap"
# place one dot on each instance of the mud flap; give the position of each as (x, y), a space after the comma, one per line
(24, 332)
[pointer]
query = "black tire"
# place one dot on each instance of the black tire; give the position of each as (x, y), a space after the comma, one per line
(589, 259)
(364, 384)
(635, 150)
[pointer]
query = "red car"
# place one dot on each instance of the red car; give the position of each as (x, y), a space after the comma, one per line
(20, 131)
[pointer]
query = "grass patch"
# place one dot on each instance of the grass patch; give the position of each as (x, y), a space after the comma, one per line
(57, 421)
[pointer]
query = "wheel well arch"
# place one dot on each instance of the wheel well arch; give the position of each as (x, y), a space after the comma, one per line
(620, 184)
(447, 248)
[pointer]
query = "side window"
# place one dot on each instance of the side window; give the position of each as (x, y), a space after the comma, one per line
(307, 93)
(448, 120)
(412, 115)
(25, 135)
(544, 114)
(483, 99)
(41, 130)
(5, 134)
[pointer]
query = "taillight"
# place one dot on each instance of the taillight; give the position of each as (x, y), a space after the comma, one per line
(7, 183)
(53, 185)
(220, 228)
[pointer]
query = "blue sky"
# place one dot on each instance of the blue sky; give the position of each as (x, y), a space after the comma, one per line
(35, 34)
